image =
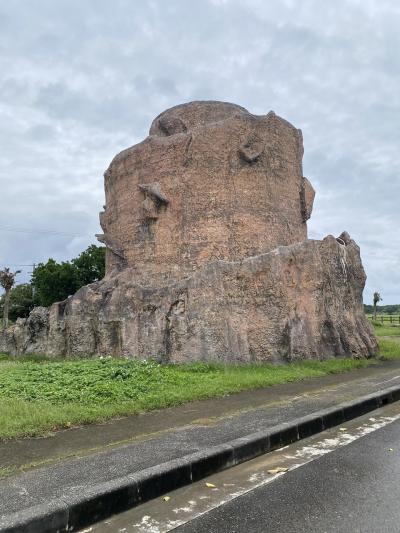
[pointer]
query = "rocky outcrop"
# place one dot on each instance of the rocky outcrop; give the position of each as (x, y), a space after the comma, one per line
(210, 182)
(208, 256)
(297, 301)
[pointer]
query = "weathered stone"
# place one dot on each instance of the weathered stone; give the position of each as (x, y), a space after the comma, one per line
(207, 253)
(222, 184)
(307, 195)
(297, 301)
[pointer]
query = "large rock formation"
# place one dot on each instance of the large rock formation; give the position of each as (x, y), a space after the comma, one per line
(207, 253)
(211, 182)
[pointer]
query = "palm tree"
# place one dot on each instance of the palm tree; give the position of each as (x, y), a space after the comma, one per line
(377, 298)
(7, 280)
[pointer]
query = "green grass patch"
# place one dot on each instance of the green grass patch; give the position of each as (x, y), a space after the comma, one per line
(386, 331)
(39, 396)
(389, 349)
(389, 341)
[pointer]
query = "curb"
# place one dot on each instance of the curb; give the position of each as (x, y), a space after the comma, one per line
(84, 507)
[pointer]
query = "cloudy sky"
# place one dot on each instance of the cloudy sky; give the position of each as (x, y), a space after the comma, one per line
(81, 80)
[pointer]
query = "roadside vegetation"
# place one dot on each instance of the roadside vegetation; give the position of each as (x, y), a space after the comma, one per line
(389, 341)
(52, 282)
(39, 395)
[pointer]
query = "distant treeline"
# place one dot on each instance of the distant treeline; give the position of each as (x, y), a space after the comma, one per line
(383, 309)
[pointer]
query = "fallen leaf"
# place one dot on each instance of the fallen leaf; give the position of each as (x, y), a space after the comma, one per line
(277, 470)
(210, 485)
(390, 449)
(342, 429)
(167, 498)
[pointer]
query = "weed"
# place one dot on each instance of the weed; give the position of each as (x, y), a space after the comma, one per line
(39, 395)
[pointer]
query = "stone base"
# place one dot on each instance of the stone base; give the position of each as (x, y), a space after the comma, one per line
(302, 301)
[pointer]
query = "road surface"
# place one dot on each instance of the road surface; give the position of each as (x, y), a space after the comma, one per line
(344, 480)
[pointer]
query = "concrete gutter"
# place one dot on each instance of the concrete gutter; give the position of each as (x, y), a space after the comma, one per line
(98, 502)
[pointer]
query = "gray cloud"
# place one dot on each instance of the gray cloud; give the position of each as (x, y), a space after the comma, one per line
(82, 80)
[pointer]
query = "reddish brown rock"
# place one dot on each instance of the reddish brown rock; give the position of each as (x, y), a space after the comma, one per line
(207, 253)
(211, 182)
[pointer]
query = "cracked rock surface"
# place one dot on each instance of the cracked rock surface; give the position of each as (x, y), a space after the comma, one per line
(207, 253)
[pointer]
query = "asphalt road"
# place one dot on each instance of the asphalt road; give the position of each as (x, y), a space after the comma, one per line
(355, 488)
(345, 479)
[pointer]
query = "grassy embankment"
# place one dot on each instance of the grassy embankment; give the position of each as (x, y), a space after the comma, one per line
(38, 396)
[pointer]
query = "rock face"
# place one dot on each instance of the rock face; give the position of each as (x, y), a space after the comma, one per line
(207, 253)
(211, 182)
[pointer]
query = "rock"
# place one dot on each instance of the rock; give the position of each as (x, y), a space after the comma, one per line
(291, 303)
(208, 256)
(211, 182)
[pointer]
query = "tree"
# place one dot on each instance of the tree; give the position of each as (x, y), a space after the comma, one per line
(91, 264)
(21, 301)
(376, 298)
(54, 282)
(7, 280)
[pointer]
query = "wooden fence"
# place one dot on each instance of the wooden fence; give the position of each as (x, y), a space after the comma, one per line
(386, 319)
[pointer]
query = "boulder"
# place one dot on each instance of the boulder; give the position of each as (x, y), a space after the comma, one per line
(207, 254)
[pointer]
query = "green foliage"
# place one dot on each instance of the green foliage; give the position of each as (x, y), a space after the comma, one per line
(376, 298)
(90, 264)
(386, 331)
(382, 309)
(389, 341)
(54, 282)
(7, 280)
(21, 301)
(389, 348)
(39, 396)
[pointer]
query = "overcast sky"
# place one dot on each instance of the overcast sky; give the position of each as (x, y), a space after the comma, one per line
(82, 80)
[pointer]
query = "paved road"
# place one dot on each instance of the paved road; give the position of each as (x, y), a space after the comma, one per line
(345, 480)
(353, 489)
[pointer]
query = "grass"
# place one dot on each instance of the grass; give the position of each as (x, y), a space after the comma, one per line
(389, 349)
(389, 341)
(38, 395)
(386, 330)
